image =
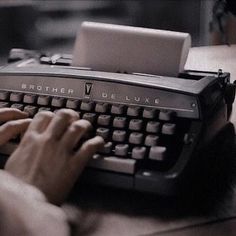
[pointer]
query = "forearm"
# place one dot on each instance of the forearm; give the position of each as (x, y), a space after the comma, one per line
(24, 210)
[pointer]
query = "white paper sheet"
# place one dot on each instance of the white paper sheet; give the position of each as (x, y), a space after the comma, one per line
(116, 48)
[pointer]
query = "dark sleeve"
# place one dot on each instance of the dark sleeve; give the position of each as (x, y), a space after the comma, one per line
(231, 6)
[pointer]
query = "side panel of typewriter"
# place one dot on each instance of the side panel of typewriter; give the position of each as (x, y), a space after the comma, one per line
(193, 165)
(190, 163)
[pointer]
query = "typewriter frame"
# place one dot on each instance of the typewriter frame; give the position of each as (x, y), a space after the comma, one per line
(212, 91)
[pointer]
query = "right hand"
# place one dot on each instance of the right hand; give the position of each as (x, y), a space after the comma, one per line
(46, 157)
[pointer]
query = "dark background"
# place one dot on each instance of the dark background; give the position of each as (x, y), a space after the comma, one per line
(52, 25)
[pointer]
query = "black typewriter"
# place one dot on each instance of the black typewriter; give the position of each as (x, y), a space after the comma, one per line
(153, 125)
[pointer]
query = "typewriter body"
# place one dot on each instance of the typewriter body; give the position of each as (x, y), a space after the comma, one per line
(152, 125)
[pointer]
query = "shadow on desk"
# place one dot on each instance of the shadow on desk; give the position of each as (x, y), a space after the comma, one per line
(206, 196)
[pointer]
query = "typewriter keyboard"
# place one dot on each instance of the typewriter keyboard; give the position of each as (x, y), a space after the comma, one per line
(136, 136)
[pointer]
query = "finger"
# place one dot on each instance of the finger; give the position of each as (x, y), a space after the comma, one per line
(86, 151)
(41, 121)
(75, 132)
(13, 128)
(61, 121)
(7, 114)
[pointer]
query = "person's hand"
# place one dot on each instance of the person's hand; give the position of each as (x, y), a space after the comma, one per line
(46, 156)
(25, 210)
(16, 123)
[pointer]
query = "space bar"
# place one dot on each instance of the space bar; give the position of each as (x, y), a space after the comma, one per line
(113, 163)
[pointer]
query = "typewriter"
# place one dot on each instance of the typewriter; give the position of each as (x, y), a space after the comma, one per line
(153, 125)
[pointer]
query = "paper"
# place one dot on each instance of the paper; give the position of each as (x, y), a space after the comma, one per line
(127, 49)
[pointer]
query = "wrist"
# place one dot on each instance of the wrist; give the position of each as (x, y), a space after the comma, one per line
(11, 185)
(24, 210)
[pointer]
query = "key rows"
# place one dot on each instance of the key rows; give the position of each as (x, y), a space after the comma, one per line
(151, 139)
(136, 152)
(84, 105)
(109, 121)
(129, 131)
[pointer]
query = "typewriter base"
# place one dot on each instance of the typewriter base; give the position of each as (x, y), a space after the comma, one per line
(212, 164)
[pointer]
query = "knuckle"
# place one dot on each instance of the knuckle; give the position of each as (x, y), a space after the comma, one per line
(81, 125)
(45, 114)
(32, 136)
(66, 113)
(46, 138)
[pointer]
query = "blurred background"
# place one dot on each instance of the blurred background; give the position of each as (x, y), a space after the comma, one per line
(52, 26)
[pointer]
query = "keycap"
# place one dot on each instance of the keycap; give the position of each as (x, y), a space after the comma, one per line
(133, 111)
(4, 104)
(16, 97)
(72, 104)
(31, 110)
(43, 100)
(63, 62)
(121, 149)
(153, 126)
(103, 132)
(151, 140)
(119, 135)
(188, 138)
(29, 98)
(135, 124)
(149, 113)
(101, 107)
(118, 109)
(119, 122)
(87, 105)
(136, 138)
(157, 153)
(138, 152)
(104, 120)
(112, 163)
(168, 128)
(44, 109)
(45, 60)
(18, 106)
(58, 102)
(4, 95)
(166, 115)
(91, 117)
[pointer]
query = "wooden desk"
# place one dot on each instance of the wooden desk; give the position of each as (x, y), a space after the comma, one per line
(113, 212)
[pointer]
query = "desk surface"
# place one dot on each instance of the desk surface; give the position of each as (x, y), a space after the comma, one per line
(112, 212)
